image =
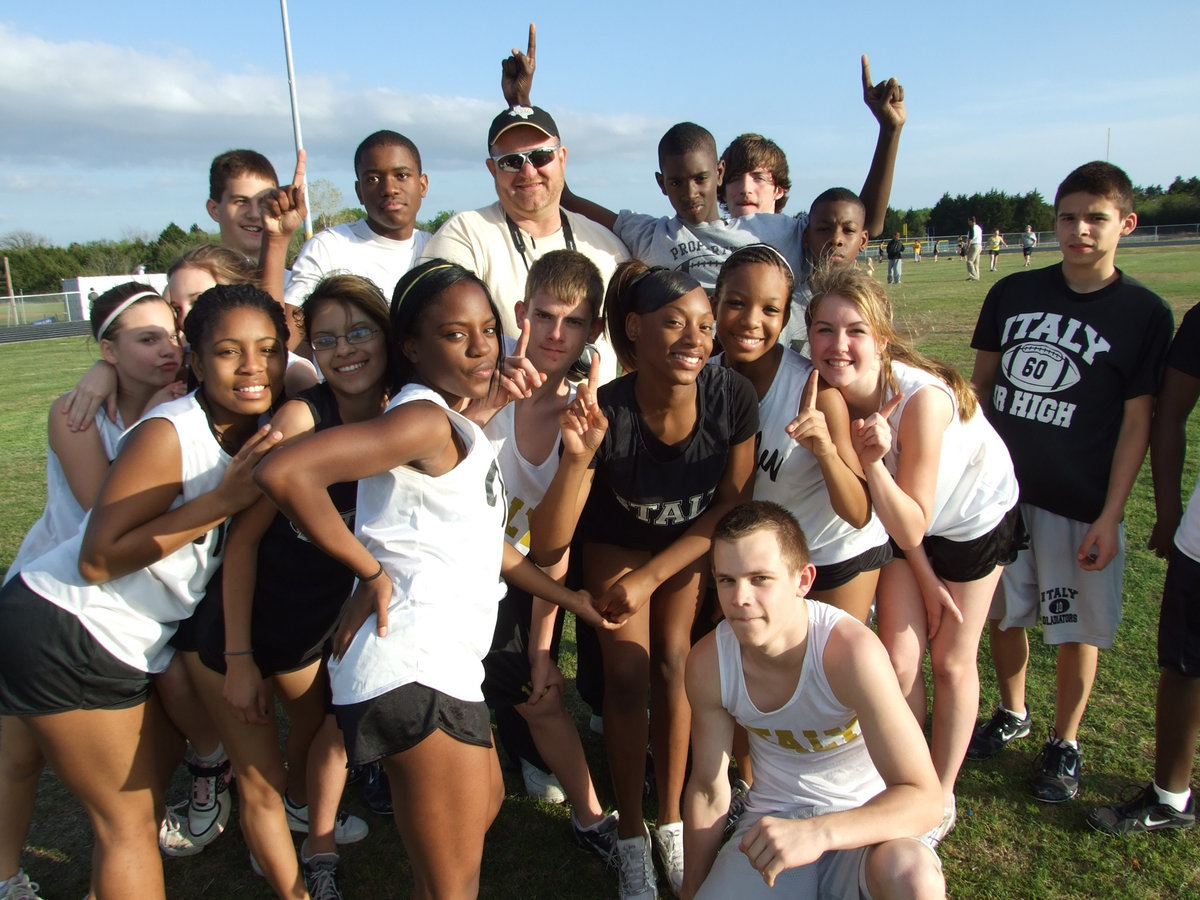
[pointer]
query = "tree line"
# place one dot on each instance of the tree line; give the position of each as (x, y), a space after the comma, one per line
(38, 267)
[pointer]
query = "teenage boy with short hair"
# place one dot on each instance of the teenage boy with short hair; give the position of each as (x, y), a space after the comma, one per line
(842, 774)
(1167, 801)
(558, 317)
(1068, 361)
(382, 247)
(756, 176)
(236, 180)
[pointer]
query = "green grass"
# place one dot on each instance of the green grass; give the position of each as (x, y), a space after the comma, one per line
(1006, 844)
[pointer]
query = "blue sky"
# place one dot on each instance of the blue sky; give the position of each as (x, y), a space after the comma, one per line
(111, 112)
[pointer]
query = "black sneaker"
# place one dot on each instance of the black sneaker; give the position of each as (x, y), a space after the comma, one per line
(1142, 812)
(600, 838)
(376, 791)
(1057, 779)
(992, 736)
(320, 876)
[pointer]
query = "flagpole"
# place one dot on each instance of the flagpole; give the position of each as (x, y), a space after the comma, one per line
(287, 49)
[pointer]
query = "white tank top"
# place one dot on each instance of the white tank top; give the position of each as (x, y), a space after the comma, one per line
(63, 515)
(524, 482)
(809, 754)
(790, 475)
(135, 615)
(441, 542)
(976, 485)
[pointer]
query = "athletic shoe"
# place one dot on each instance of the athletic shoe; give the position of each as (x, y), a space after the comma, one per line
(992, 736)
(635, 869)
(938, 833)
(600, 838)
(596, 724)
(376, 789)
(348, 829)
(1057, 779)
(320, 876)
(737, 805)
(19, 887)
(175, 835)
(210, 802)
(668, 850)
(1143, 812)
(542, 785)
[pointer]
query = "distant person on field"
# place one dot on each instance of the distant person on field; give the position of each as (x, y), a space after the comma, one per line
(1068, 360)
(1029, 240)
(974, 248)
(842, 774)
(937, 249)
(382, 247)
(895, 255)
(756, 176)
(916, 251)
(995, 242)
(1167, 801)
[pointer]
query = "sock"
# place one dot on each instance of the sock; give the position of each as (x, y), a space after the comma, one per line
(1020, 715)
(307, 860)
(213, 759)
(1074, 745)
(1177, 802)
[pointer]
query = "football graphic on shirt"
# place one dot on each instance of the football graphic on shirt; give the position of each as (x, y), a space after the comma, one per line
(1040, 367)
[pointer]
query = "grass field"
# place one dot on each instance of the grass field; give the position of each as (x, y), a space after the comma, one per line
(1006, 844)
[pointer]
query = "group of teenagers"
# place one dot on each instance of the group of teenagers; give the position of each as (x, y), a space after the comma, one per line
(367, 488)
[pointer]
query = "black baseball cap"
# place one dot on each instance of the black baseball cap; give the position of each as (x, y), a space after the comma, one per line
(533, 116)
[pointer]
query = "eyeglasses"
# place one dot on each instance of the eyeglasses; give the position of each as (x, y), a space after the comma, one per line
(515, 162)
(353, 336)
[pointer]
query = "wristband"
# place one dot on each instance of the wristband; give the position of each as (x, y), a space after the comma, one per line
(238, 652)
(372, 577)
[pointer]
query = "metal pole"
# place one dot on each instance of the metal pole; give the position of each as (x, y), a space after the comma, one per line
(287, 49)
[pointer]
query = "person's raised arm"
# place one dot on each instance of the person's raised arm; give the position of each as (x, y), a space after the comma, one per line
(96, 387)
(282, 211)
(1168, 448)
(822, 426)
(904, 503)
(132, 524)
(862, 679)
(587, 208)
(516, 72)
(552, 522)
(706, 796)
(1100, 543)
(886, 102)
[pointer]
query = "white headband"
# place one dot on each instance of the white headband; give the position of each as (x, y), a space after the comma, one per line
(121, 307)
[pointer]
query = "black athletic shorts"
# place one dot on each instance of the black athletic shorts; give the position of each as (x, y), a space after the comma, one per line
(506, 673)
(1179, 620)
(834, 575)
(50, 663)
(405, 716)
(963, 561)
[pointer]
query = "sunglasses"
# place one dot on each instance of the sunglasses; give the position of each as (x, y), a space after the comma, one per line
(353, 336)
(515, 162)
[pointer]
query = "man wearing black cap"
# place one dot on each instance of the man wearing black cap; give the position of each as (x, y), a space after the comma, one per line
(500, 242)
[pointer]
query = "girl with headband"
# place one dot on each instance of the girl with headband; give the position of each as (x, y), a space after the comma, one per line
(650, 462)
(407, 659)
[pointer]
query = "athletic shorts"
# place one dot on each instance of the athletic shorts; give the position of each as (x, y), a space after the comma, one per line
(50, 663)
(1045, 585)
(1028, 251)
(1179, 621)
(834, 575)
(405, 716)
(836, 873)
(506, 672)
(964, 561)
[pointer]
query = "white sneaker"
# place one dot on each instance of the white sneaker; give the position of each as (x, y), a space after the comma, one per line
(542, 785)
(938, 833)
(635, 869)
(19, 887)
(176, 837)
(668, 850)
(347, 829)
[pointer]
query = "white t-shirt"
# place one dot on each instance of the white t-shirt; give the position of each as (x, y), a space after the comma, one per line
(441, 542)
(977, 235)
(353, 248)
(480, 240)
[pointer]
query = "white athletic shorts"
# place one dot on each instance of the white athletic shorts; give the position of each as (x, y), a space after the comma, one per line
(1046, 586)
(836, 875)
